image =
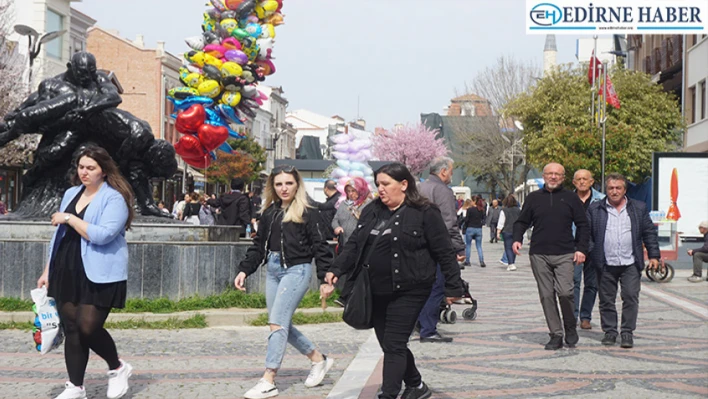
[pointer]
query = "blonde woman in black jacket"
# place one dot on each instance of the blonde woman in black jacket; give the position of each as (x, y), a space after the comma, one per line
(289, 236)
(402, 268)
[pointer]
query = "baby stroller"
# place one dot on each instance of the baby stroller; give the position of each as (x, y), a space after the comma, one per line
(449, 316)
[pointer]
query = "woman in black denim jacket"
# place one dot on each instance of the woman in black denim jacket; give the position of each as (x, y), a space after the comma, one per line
(402, 267)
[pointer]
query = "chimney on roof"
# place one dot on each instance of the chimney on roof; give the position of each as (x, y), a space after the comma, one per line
(139, 41)
(161, 48)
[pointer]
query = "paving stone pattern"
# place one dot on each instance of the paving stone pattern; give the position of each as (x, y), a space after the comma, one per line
(498, 355)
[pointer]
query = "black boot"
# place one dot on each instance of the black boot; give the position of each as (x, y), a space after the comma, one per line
(555, 343)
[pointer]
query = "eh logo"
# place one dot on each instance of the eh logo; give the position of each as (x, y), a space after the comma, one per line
(546, 14)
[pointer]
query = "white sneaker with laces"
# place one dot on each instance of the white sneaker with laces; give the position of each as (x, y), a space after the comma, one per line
(511, 268)
(118, 380)
(263, 389)
(71, 391)
(318, 371)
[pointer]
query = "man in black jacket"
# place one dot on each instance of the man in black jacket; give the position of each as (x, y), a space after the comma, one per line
(234, 206)
(552, 211)
(619, 227)
(329, 208)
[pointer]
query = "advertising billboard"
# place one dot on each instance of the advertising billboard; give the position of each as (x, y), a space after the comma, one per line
(681, 189)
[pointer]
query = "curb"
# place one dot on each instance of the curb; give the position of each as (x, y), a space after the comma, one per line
(214, 317)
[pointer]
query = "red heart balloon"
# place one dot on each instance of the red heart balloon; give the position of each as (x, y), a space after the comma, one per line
(188, 146)
(199, 163)
(212, 136)
(189, 120)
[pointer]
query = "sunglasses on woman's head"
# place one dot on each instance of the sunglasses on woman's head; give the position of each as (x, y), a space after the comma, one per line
(283, 168)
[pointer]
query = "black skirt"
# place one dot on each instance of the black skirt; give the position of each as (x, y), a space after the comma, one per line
(68, 282)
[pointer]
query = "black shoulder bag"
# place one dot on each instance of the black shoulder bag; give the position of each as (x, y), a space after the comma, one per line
(358, 311)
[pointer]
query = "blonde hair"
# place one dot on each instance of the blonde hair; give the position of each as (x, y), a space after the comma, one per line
(297, 207)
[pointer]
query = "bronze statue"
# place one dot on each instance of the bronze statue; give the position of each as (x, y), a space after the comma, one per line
(78, 107)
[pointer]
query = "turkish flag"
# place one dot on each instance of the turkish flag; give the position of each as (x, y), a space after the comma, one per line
(595, 66)
(594, 69)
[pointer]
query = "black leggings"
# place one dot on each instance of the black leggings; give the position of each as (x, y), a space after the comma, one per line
(394, 318)
(83, 327)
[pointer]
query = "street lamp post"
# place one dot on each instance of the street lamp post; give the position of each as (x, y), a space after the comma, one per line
(35, 42)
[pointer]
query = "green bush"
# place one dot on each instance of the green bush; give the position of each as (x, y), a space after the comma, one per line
(300, 318)
(230, 298)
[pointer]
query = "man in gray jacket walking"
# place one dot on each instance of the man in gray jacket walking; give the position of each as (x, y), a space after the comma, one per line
(437, 191)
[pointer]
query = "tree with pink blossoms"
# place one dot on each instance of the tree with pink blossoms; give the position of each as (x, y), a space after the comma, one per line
(412, 145)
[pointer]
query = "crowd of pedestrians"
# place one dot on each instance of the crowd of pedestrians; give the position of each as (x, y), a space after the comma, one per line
(411, 239)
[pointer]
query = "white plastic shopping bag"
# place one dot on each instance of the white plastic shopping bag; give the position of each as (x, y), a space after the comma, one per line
(47, 332)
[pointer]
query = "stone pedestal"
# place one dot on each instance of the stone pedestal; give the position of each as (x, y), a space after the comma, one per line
(166, 260)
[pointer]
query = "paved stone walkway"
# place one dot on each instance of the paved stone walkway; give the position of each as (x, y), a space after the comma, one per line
(500, 354)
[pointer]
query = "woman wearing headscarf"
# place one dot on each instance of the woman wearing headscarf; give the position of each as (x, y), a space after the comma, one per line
(348, 213)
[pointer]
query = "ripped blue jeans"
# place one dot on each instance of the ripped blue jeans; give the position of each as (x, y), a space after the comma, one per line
(285, 288)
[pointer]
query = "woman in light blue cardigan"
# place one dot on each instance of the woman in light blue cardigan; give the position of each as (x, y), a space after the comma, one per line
(88, 266)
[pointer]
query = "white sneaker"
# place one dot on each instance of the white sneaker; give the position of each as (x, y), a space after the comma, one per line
(503, 263)
(71, 391)
(318, 371)
(511, 268)
(263, 389)
(118, 380)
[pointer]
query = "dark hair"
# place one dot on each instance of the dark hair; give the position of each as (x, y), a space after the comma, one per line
(330, 184)
(194, 196)
(616, 177)
(480, 204)
(509, 201)
(399, 172)
(161, 202)
(111, 172)
(237, 184)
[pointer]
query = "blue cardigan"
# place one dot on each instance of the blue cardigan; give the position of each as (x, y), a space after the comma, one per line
(105, 254)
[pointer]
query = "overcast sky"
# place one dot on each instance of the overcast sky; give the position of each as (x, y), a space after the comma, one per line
(399, 57)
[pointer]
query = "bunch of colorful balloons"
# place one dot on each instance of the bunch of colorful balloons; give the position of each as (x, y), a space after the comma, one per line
(352, 151)
(221, 73)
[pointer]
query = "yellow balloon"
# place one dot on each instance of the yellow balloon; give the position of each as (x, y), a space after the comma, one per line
(230, 68)
(229, 24)
(194, 80)
(209, 88)
(211, 60)
(196, 57)
(182, 92)
(231, 98)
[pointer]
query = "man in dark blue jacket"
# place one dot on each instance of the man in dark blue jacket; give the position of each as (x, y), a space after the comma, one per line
(618, 228)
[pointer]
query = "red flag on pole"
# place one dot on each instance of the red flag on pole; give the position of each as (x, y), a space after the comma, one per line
(595, 66)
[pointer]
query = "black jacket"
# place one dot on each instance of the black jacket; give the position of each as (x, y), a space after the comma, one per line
(327, 211)
(420, 240)
(643, 232)
(235, 209)
(552, 214)
(300, 242)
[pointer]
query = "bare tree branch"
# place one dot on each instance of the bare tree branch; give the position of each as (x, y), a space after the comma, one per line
(487, 148)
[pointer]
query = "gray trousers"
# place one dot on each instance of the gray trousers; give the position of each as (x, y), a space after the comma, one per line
(629, 280)
(554, 278)
(698, 259)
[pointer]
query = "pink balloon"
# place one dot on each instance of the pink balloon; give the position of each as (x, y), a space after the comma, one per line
(231, 43)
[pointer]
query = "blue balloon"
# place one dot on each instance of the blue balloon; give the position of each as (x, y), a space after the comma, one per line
(188, 102)
(225, 147)
(229, 114)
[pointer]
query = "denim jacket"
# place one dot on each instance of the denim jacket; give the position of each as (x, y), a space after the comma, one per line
(105, 254)
(594, 197)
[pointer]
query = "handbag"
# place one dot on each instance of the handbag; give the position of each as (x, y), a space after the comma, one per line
(358, 309)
